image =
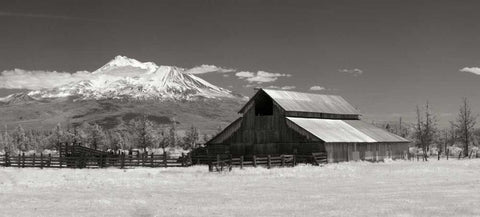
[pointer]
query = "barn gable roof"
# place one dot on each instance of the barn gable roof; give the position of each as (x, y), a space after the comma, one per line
(343, 131)
(307, 102)
(227, 132)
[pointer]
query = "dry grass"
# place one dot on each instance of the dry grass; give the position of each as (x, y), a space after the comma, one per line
(436, 188)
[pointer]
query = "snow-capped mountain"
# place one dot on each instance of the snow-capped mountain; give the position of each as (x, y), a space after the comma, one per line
(126, 78)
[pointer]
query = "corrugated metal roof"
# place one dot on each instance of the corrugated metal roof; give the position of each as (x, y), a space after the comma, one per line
(374, 132)
(348, 131)
(307, 102)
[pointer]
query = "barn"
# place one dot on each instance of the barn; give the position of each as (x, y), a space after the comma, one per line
(276, 122)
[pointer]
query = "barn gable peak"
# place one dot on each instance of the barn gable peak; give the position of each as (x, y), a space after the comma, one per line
(305, 103)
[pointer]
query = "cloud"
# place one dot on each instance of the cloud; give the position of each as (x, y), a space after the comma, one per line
(317, 88)
(208, 69)
(260, 76)
(474, 70)
(288, 87)
(253, 85)
(36, 80)
(244, 74)
(355, 72)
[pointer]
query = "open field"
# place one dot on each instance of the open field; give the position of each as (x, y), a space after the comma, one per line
(436, 188)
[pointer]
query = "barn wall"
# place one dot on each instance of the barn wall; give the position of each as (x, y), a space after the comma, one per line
(269, 135)
(338, 152)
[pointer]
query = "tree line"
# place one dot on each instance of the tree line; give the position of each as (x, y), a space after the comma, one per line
(139, 133)
(425, 133)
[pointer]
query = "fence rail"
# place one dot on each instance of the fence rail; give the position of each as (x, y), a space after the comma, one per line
(121, 161)
(222, 163)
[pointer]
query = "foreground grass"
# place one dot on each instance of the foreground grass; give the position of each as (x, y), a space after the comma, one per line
(435, 188)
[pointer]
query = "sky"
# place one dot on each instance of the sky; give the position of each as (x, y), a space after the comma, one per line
(385, 57)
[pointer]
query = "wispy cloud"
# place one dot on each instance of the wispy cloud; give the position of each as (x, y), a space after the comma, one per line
(260, 76)
(283, 88)
(355, 72)
(51, 16)
(317, 88)
(288, 87)
(208, 69)
(474, 70)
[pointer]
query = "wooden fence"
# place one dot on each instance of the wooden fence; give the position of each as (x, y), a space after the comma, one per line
(120, 161)
(222, 163)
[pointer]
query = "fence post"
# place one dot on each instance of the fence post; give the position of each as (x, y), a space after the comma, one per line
(143, 159)
(61, 158)
(165, 159)
(183, 159)
(76, 161)
(7, 163)
(210, 167)
(49, 159)
(218, 160)
(23, 160)
(19, 161)
(283, 160)
(41, 160)
(269, 162)
(33, 161)
(241, 162)
(294, 161)
(254, 161)
(151, 159)
(122, 163)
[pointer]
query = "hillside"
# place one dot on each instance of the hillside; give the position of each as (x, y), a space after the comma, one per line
(206, 114)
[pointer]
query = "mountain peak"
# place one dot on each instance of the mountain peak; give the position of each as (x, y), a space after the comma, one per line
(123, 61)
(124, 78)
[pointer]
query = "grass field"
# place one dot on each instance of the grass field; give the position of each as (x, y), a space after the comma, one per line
(435, 188)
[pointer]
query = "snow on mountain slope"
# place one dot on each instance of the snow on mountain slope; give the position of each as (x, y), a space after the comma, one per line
(125, 78)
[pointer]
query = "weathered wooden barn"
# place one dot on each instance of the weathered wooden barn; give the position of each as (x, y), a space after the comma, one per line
(278, 122)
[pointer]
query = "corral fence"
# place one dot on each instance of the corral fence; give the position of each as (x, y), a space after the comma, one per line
(227, 162)
(77, 156)
(89, 161)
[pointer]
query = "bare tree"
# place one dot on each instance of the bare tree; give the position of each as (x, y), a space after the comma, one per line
(144, 133)
(425, 130)
(465, 125)
(191, 138)
(19, 139)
